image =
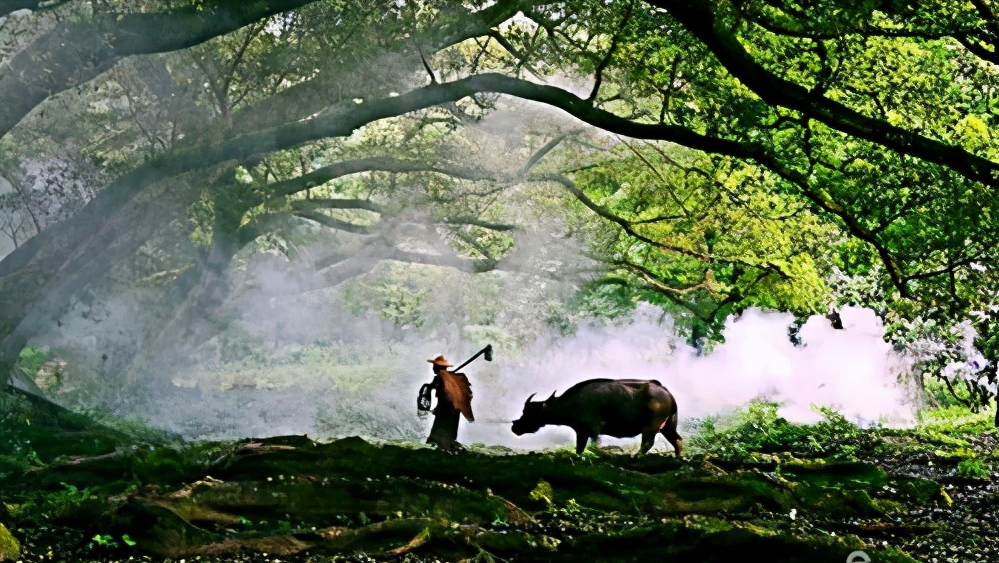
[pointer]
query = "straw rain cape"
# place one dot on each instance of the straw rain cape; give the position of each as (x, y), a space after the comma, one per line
(459, 392)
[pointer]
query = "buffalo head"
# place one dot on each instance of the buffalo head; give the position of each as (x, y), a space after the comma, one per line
(533, 417)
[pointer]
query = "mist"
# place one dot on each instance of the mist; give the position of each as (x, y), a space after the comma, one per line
(306, 376)
(851, 370)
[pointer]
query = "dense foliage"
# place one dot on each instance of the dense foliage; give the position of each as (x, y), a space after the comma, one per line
(716, 156)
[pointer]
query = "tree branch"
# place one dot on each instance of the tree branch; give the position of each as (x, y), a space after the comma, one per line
(544, 150)
(93, 228)
(706, 283)
(335, 224)
(701, 19)
(325, 174)
(602, 65)
(474, 221)
(73, 53)
(605, 213)
(333, 203)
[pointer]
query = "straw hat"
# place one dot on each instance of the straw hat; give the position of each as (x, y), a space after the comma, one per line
(440, 361)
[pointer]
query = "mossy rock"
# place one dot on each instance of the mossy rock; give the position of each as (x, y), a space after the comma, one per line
(922, 491)
(890, 507)
(10, 548)
(843, 489)
(837, 502)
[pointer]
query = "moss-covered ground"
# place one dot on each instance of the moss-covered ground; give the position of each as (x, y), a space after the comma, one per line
(76, 489)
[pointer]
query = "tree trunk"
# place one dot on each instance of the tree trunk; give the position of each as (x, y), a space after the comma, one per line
(191, 322)
(44, 289)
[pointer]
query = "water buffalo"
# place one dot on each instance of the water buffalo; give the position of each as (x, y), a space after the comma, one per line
(622, 408)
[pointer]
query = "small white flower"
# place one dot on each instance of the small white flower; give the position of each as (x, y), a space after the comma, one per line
(794, 512)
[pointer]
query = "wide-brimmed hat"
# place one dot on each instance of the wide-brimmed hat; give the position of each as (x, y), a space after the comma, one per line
(440, 361)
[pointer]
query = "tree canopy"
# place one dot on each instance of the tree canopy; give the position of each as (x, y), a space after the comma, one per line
(707, 156)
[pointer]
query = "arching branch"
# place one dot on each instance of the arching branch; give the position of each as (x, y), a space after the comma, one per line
(476, 222)
(335, 224)
(75, 52)
(701, 19)
(91, 231)
(336, 203)
(625, 225)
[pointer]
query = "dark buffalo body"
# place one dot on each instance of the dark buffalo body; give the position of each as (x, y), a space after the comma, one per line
(622, 408)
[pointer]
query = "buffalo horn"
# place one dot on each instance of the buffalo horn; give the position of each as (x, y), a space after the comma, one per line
(529, 398)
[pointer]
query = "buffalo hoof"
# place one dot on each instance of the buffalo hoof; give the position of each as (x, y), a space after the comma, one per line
(452, 448)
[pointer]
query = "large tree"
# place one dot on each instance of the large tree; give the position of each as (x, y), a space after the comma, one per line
(871, 119)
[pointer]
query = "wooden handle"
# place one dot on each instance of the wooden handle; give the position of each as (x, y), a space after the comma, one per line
(469, 360)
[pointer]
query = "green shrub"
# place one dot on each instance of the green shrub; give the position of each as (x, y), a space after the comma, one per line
(758, 428)
(972, 469)
(954, 420)
(31, 359)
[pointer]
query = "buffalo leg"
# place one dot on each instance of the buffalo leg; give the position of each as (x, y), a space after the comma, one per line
(649, 436)
(581, 439)
(669, 432)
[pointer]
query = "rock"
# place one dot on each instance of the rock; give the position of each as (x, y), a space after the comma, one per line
(10, 548)
(49, 376)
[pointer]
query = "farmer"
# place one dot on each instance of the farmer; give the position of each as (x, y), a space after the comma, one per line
(454, 397)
